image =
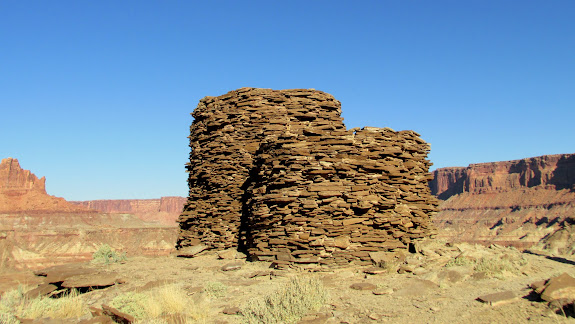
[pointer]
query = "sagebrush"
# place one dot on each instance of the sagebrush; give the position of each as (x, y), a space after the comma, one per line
(288, 304)
(105, 254)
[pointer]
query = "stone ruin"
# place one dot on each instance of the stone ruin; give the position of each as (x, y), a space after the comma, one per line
(276, 174)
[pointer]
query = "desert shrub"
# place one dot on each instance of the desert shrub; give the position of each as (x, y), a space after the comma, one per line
(288, 303)
(151, 306)
(459, 261)
(491, 266)
(215, 289)
(14, 303)
(495, 267)
(105, 254)
(132, 303)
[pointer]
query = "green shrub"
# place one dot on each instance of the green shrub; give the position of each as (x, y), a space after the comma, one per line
(107, 255)
(288, 304)
(215, 289)
(131, 303)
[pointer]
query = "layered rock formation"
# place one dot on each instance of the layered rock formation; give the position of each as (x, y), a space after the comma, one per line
(38, 240)
(164, 210)
(39, 230)
(13, 177)
(277, 173)
(22, 191)
(511, 202)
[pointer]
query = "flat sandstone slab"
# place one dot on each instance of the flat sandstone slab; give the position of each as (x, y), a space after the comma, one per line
(498, 298)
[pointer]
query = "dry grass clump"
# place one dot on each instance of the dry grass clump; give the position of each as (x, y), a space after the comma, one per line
(156, 305)
(14, 303)
(496, 266)
(460, 261)
(288, 304)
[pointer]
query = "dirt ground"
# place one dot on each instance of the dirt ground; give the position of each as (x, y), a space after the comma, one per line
(428, 292)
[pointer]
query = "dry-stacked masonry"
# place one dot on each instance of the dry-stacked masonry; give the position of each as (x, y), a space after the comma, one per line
(276, 172)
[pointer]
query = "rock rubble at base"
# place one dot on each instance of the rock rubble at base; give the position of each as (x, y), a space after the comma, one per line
(276, 173)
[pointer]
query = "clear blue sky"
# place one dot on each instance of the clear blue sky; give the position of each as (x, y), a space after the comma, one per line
(96, 95)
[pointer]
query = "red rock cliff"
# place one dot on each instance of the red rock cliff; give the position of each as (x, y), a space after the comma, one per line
(21, 190)
(39, 230)
(14, 178)
(164, 210)
(548, 171)
(511, 202)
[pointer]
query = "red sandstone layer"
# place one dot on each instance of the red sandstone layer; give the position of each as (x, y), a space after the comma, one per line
(164, 210)
(34, 241)
(554, 172)
(510, 202)
(22, 191)
(38, 230)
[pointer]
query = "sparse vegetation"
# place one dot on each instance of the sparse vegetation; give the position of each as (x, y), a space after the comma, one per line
(105, 254)
(14, 303)
(459, 261)
(215, 289)
(152, 306)
(132, 303)
(287, 304)
(493, 266)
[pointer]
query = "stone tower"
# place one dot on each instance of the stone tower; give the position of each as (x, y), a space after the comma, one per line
(277, 174)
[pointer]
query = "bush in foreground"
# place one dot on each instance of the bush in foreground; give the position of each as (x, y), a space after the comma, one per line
(288, 304)
(155, 305)
(493, 267)
(14, 303)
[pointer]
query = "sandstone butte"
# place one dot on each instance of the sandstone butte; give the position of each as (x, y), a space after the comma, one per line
(22, 191)
(511, 202)
(276, 173)
(38, 230)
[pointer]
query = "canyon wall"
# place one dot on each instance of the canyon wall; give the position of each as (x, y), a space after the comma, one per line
(39, 230)
(549, 171)
(38, 240)
(276, 173)
(164, 210)
(511, 202)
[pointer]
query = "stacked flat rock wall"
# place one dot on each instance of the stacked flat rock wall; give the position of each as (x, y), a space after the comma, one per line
(226, 133)
(278, 174)
(336, 196)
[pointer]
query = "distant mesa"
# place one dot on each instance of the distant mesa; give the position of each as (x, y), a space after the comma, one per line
(510, 202)
(543, 172)
(22, 191)
(164, 210)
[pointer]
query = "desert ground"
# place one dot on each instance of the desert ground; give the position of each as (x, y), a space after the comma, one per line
(439, 284)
